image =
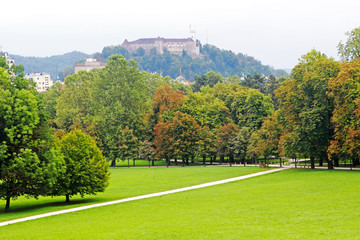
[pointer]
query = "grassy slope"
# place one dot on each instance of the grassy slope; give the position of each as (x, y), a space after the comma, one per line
(293, 204)
(127, 183)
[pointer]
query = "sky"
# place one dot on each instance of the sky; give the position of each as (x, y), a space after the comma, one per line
(276, 32)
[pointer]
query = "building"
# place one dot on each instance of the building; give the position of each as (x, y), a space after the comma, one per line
(42, 80)
(89, 64)
(173, 45)
(9, 61)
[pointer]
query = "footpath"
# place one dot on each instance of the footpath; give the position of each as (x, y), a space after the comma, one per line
(140, 197)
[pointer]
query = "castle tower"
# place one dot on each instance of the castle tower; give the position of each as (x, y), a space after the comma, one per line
(192, 34)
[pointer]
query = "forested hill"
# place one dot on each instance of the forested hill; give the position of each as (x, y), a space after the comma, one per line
(55, 65)
(214, 59)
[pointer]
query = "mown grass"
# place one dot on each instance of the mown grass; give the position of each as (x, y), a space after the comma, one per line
(124, 183)
(292, 204)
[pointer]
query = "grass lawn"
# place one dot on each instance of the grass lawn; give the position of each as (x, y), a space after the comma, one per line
(292, 204)
(125, 183)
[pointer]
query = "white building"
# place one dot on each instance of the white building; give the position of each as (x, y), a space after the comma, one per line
(89, 64)
(42, 80)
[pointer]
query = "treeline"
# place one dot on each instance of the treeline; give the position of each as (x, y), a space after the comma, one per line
(224, 62)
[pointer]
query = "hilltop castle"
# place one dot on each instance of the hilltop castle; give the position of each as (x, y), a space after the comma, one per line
(173, 45)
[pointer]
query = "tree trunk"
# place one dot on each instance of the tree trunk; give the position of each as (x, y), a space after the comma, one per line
(113, 163)
(176, 161)
(7, 206)
(67, 199)
(321, 161)
(192, 159)
(167, 161)
(280, 162)
(153, 162)
(187, 161)
(231, 159)
(356, 162)
(128, 163)
(221, 159)
(133, 162)
(183, 162)
(204, 160)
(214, 159)
(312, 162)
(336, 161)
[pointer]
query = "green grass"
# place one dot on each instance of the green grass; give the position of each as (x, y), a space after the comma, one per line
(125, 183)
(292, 204)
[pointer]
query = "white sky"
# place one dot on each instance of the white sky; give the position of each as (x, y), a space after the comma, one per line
(276, 32)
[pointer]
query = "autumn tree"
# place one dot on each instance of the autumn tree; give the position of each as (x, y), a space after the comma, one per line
(344, 89)
(225, 141)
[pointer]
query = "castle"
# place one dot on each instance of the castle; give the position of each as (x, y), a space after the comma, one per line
(173, 45)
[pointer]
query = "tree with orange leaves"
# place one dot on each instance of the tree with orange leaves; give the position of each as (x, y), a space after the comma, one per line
(345, 90)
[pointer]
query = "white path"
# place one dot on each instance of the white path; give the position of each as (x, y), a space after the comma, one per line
(139, 197)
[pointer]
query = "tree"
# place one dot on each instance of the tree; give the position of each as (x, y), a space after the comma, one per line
(119, 100)
(74, 103)
(248, 107)
(50, 100)
(86, 168)
(344, 89)
(225, 141)
(306, 108)
(351, 49)
(177, 137)
(206, 109)
(208, 79)
(206, 143)
(28, 161)
(128, 145)
(147, 151)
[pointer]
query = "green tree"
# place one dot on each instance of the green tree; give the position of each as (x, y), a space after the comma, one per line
(307, 108)
(74, 103)
(128, 145)
(28, 161)
(206, 109)
(208, 79)
(50, 98)
(86, 168)
(119, 100)
(351, 49)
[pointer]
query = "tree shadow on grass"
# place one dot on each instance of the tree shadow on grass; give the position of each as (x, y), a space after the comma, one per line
(56, 205)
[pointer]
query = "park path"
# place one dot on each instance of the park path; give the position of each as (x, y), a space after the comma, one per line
(139, 197)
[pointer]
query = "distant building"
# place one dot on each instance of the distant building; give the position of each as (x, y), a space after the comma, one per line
(173, 45)
(42, 80)
(182, 80)
(89, 64)
(9, 61)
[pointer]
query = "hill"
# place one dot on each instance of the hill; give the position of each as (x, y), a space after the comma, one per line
(214, 59)
(55, 65)
(225, 62)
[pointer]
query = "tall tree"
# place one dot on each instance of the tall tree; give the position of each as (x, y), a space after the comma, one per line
(309, 109)
(119, 100)
(345, 91)
(27, 158)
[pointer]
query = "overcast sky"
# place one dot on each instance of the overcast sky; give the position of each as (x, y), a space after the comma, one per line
(276, 32)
